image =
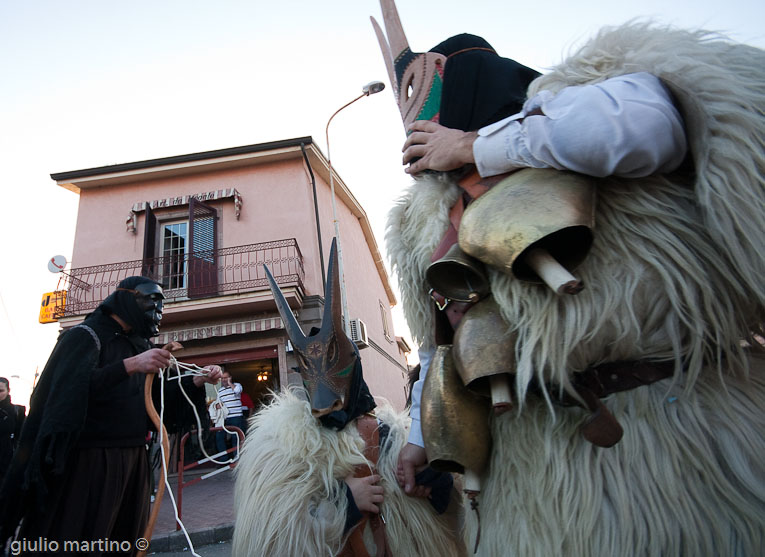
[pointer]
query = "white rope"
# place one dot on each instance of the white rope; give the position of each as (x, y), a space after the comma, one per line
(189, 370)
(195, 370)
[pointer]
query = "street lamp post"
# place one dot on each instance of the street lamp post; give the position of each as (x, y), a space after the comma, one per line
(369, 89)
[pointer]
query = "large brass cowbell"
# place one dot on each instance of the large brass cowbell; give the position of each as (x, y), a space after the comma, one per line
(458, 277)
(455, 421)
(532, 211)
(484, 353)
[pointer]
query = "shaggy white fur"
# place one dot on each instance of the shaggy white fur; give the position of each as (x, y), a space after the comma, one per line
(686, 479)
(288, 499)
(675, 273)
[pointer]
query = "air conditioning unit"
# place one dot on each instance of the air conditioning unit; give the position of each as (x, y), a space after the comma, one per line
(359, 333)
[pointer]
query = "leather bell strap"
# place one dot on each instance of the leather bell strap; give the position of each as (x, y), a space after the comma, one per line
(602, 428)
(474, 186)
(453, 310)
(368, 429)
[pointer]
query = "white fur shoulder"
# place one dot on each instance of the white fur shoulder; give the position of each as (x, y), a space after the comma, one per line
(719, 86)
(415, 227)
(289, 500)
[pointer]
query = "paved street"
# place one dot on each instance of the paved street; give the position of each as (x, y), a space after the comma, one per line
(214, 550)
(207, 512)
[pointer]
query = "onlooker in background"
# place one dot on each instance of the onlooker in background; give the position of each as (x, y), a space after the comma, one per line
(11, 419)
(248, 407)
(230, 394)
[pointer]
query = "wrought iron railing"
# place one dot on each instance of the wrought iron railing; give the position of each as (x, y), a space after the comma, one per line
(202, 274)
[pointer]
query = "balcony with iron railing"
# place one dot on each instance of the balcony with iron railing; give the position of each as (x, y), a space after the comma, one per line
(193, 278)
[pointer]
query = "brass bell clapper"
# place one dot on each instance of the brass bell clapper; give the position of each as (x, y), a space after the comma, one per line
(554, 275)
(536, 224)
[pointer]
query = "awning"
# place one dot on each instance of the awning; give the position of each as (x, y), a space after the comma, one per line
(219, 330)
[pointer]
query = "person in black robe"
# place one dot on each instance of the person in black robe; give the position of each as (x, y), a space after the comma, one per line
(80, 473)
(11, 419)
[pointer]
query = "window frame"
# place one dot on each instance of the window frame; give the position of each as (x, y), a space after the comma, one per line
(387, 331)
(200, 273)
(162, 225)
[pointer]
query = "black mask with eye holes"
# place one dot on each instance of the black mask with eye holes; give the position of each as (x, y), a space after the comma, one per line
(150, 298)
(139, 302)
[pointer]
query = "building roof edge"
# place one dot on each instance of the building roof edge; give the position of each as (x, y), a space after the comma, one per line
(179, 159)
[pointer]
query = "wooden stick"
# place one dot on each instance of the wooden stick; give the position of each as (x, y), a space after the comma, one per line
(165, 461)
(553, 273)
(152, 412)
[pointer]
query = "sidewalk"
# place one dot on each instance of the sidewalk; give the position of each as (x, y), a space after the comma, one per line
(207, 512)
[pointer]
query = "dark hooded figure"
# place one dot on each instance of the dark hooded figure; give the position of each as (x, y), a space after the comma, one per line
(80, 472)
(11, 419)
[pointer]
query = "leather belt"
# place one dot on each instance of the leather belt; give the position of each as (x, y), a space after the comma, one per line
(602, 428)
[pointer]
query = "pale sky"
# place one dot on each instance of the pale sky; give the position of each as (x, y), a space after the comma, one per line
(92, 83)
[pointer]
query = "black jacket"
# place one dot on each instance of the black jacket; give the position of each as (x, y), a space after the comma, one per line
(11, 419)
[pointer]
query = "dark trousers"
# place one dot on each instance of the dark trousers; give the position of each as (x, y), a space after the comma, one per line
(103, 495)
(225, 440)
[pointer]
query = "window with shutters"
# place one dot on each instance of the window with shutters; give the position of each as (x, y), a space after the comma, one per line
(180, 251)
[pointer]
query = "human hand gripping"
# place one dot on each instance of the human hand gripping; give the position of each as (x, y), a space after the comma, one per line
(150, 361)
(213, 375)
(366, 493)
(438, 147)
(411, 460)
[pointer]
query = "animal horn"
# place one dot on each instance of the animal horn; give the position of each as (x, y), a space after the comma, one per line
(416, 77)
(393, 29)
(333, 308)
(294, 332)
(387, 56)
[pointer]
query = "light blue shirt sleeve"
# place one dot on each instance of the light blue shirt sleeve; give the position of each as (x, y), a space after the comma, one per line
(415, 431)
(624, 126)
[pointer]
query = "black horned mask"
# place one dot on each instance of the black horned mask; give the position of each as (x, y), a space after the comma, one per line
(327, 358)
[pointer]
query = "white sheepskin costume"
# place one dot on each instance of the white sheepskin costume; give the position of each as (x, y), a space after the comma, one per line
(289, 501)
(676, 272)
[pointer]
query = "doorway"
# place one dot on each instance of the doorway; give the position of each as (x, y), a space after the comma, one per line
(258, 378)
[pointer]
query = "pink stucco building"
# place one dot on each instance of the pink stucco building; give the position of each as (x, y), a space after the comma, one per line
(204, 224)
